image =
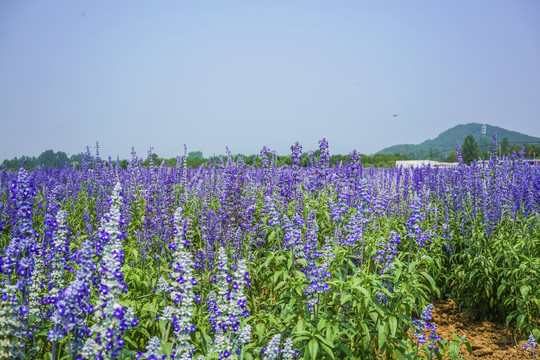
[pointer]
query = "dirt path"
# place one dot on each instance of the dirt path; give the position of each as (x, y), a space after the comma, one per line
(488, 340)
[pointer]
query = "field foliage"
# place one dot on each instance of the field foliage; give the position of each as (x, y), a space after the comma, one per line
(231, 261)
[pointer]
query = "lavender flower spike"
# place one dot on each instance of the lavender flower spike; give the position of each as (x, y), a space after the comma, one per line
(531, 343)
(272, 351)
(152, 350)
(182, 293)
(111, 318)
(425, 324)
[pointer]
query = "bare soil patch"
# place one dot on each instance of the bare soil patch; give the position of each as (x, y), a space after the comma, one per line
(488, 340)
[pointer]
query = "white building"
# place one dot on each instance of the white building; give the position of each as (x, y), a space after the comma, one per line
(419, 163)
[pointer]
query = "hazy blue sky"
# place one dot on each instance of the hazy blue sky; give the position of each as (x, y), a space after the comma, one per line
(244, 74)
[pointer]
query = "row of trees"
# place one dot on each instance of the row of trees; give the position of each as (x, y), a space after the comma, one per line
(59, 159)
(471, 151)
(47, 158)
(195, 159)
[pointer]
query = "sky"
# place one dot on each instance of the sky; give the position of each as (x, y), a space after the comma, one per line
(248, 74)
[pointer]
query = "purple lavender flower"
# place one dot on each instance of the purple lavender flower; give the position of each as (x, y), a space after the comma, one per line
(110, 317)
(73, 305)
(18, 262)
(425, 324)
(385, 256)
(459, 157)
(355, 228)
(182, 292)
(272, 351)
(152, 350)
(531, 343)
(270, 210)
(414, 229)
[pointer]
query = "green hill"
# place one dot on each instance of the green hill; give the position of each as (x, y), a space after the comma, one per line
(445, 143)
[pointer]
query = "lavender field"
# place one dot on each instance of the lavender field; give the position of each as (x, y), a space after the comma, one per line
(226, 261)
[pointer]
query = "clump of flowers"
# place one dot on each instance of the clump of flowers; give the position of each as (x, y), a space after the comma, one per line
(73, 304)
(11, 321)
(292, 239)
(531, 343)
(18, 264)
(414, 229)
(152, 350)
(228, 307)
(317, 277)
(60, 247)
(181, 292)
(111, 319)
(386, 256)
(272, 351)
(270, 210)
(425, 325)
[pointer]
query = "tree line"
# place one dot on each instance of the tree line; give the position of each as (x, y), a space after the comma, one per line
(59, 159)
(471, 150)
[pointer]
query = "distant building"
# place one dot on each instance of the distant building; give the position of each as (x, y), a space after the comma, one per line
(419, 163)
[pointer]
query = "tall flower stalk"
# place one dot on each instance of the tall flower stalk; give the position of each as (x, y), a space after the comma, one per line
(111, 318)
(181, 293)
(18, 265)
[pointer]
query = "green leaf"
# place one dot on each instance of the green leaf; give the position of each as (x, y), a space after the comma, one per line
(430, 279)
(143, 331)
(346, 350)
(279, 285)
(328, 350)
(167, 347)
(367, 334)
(520, 320)
(454, 350)
(321, 325)
(382, 334)
(313, 348)
(300, 325)
(259, 329)
(345, 298)
(392, 321)
(525, 289)
(500, 290)
(536, 333)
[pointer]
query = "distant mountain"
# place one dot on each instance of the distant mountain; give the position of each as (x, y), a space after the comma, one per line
(445, 143)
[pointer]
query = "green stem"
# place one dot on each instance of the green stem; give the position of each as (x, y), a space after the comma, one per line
(410, 250)
(347, 267)
(317, 311)
(278, 241)
(293, 262)
(172, 345)
(166, 334)
(53, 355)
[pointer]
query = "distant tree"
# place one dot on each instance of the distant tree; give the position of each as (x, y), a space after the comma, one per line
(195, 154)
(505, 146)
(452, 157)
(469, 150)
(47, 158)
(52, 159)
(61, 159)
